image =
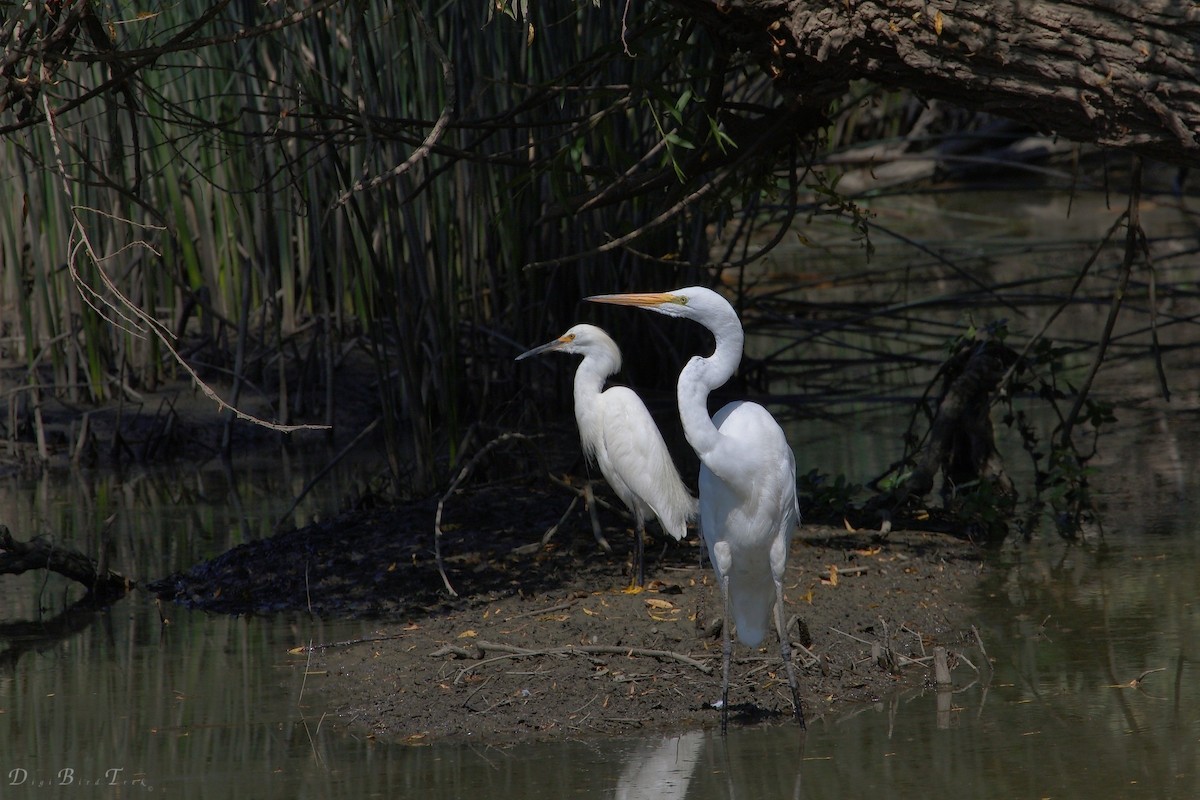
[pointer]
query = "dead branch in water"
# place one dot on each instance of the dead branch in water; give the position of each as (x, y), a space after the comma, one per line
(18, 557)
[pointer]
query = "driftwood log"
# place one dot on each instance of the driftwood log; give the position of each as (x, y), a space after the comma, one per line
(17, 557)
(960, 446)
(962, 440)
(1120, 73)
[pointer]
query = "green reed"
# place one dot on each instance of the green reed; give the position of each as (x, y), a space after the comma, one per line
(211, 184)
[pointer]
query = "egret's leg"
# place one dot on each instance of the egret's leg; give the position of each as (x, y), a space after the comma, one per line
(639, 549)
(785, 648)
(726, 655)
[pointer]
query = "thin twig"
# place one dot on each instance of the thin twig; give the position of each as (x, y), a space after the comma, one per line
(455, 650)
(308, 487)
(513, 651)
(858, 639)
(671, 655)
(591, 501)
(1070, 298)
(715, 183)
(979, 641)
(478, 689)
(1132, 231)
(553, 529)
(1155, 346)
(439, 127)
(462, 474)
(905, 660)
(560, 607)
(843, 571)
(1142, 677)
(344, 643)
(130, 317)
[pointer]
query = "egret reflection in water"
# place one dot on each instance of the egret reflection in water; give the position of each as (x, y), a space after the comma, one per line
(661, 769)
(753, 764)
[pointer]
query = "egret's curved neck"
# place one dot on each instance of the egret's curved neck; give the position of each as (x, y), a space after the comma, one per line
(701, 376)
(589, 383)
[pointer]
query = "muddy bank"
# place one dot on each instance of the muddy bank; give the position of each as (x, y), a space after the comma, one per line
(545, 641)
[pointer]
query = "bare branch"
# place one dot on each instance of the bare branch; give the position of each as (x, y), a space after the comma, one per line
(137, 319)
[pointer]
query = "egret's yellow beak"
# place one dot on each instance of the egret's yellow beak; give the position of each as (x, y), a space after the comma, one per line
(650, 299)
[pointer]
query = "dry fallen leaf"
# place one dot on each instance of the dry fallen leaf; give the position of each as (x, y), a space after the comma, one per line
(654, 602)
(467, 634)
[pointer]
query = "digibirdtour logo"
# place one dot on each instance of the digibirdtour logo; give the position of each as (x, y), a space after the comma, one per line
(70, 777)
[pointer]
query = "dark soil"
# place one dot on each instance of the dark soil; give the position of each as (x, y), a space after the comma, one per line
(545, 641)
(542, 640)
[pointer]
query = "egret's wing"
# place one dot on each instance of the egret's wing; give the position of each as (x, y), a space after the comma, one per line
(756, 469)
(640, 460)
(753, 456)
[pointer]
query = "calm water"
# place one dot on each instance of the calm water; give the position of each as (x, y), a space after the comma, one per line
(207, 706)
(125, 704)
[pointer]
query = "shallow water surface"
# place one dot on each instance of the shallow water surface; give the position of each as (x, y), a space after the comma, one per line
(203, 705)
(1089, 687)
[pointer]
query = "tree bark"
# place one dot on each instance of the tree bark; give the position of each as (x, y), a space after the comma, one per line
(1120, 73)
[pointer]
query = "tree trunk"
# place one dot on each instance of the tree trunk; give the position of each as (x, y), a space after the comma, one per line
(1120, 73)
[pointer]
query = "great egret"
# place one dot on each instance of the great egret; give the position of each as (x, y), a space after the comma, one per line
(748, 506)
(619, 435)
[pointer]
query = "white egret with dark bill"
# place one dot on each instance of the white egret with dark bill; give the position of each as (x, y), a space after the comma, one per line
(619, 435)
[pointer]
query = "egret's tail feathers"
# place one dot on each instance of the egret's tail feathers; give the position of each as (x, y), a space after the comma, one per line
(680, 509)
(674, 505)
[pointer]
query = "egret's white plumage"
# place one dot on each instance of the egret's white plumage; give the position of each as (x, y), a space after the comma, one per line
(748, 505)
(619, 436)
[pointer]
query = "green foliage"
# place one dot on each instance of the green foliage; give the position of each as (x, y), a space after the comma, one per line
(280, 179)
(824, 186)
(1060, 467)
(827, 498)
(982, 509)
